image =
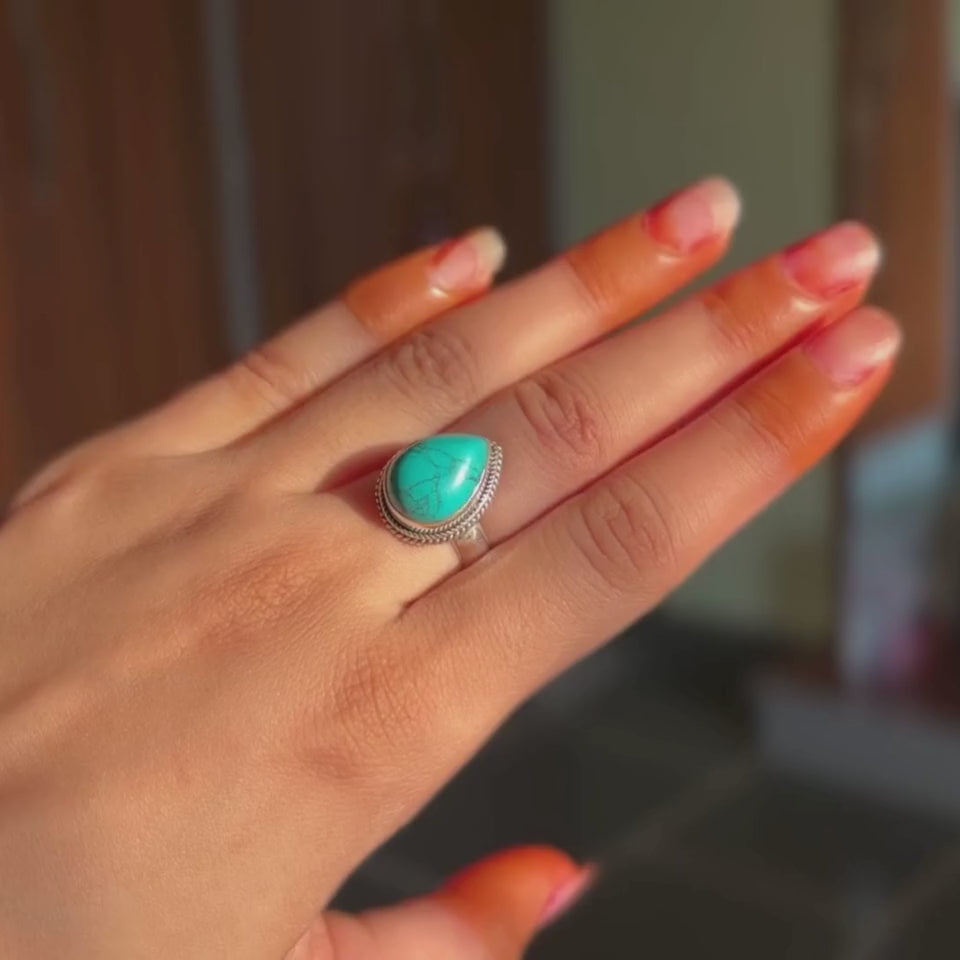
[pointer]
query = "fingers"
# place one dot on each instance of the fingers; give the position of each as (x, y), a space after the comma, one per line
(572, 422)
(373, 311)
(490, 910)
(606, 556)
(430, 378)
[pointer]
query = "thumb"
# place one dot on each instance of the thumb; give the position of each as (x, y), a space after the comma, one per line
(489, 911)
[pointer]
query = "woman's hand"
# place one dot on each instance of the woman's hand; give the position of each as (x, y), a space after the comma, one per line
(222, 680)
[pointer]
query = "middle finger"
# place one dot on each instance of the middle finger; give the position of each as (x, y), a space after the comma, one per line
(443, 370)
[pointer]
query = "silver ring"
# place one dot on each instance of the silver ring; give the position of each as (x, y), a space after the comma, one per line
(436, 490)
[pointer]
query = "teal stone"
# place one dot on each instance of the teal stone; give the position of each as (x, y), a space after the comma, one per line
(433, 480)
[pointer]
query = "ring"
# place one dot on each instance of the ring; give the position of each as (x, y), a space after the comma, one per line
(436, 490)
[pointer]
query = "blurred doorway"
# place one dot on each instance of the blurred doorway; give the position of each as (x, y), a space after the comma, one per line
(879, 712)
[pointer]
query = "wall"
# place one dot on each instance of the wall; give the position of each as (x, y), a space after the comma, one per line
(648, 95)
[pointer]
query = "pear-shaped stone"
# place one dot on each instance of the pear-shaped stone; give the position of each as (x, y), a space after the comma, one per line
(433, 480)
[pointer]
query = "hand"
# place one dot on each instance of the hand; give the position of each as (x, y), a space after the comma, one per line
(223, 682)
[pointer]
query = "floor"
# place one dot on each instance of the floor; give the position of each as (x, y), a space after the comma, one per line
(641, 761)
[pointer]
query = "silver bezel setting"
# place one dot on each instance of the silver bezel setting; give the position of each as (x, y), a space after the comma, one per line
(410, 531)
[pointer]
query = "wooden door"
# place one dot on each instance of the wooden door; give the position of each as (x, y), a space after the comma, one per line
(179, 178)
(109, 290)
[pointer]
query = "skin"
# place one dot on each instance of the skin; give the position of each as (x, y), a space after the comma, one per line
(223, 683)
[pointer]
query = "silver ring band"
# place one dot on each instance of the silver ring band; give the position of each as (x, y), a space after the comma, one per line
(472, 545)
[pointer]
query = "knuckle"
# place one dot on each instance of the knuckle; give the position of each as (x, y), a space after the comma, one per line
(769, 422)
(435, 362)
(268, 376)
(85, 468)
(51, 479)
(364, 725)
(267, 591)
(373, 704)
(80, 487)
(595, 288)
(564, 415)
(269, 585)
(738, 331)
(626, 530)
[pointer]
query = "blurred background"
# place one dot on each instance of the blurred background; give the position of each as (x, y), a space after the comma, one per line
(767, 767)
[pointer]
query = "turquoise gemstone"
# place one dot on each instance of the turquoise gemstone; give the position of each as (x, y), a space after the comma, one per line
(434, 479)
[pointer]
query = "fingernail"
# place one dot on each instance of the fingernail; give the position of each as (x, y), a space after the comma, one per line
(851, 349)
(706, 211)
(468, 262)
(844, 256)
(565, 896)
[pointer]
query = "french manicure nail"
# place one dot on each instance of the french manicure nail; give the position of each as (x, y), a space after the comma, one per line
(851, 349)
(468, 262)
(706, 211)
(828, 263)
(565, 896)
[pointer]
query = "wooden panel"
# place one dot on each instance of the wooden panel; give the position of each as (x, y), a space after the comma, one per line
(108, 276)
(372, 127)
(897, 126)
(378, 126)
